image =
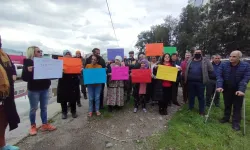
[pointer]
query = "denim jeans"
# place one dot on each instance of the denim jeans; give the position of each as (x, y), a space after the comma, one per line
(196, 89)
(34, 98)
(94, 93)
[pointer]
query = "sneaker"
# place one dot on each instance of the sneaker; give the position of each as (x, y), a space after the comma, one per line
(48, 127)
(10, 147)
(98, 113)
(135, 110)
(144, 109)
(33, 130)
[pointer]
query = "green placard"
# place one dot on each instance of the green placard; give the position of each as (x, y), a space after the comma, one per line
(170, 50)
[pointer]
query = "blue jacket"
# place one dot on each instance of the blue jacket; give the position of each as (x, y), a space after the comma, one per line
(242, 75)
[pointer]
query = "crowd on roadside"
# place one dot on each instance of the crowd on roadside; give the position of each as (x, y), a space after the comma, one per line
(195, 74)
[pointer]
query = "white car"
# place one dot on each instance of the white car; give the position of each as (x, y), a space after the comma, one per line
(19, 70)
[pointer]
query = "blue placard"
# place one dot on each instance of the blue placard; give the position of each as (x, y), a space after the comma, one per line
(115, 52)
(94, 76)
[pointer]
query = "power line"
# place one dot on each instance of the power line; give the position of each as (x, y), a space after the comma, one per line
(112, 22)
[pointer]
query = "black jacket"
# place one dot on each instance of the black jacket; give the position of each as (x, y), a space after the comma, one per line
(33, 85)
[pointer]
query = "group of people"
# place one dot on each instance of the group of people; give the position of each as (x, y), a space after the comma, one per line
(195, 73)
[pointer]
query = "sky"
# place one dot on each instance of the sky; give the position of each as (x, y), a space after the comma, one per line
(56, 25)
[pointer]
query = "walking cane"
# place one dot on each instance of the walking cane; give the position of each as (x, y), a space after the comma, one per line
(207, 116)
(244, 116)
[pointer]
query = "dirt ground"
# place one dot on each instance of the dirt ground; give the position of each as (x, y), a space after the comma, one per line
(120, 130)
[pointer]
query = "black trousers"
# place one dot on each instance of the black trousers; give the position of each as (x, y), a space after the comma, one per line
(232, 100)
(150, 90)
(65, 107)
(166, 98)
(83, 90)
(210, 89)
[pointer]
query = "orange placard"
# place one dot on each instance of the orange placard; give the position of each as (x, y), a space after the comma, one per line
(154, 49)
(71, 65)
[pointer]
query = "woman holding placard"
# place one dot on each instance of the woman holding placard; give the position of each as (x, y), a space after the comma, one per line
(140, 90)
(94, 90)
(166, 86)
(38, 91)
(68, 90)
(115, 95)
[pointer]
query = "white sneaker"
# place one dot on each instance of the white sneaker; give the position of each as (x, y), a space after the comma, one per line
(144, 109)
(135, 110)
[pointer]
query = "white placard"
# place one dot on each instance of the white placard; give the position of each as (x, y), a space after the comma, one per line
(46, 68)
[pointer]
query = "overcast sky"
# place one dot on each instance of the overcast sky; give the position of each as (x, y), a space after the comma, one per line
(55, 25)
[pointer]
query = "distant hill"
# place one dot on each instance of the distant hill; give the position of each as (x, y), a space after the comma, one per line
(14, 52)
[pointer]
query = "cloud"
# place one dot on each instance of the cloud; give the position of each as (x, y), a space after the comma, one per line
(55, 25)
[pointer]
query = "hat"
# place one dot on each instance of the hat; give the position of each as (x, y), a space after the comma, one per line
(66, 51)
(118, 58)
(78, 52)
(131, 52)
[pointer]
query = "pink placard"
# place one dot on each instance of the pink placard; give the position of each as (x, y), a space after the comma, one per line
(119, 73)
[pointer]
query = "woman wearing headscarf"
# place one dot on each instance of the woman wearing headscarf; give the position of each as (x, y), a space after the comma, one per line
(115, 95)
(68, 90)
(38, 91)
(8, 112)
(140, 90)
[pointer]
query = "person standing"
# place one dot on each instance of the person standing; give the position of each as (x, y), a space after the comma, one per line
(166, 86)
(83, 87)
(96, 51)
(232, 79)
(175, 86)
(94, 90)
(197, 74)
(132, 64)
(38, 91)
(68, 90)
(115, 92)
(8, 112)
(150, 87)
(183, 70)
(211, 85)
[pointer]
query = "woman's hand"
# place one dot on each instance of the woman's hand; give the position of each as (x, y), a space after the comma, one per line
(109, 74)
(30, 68)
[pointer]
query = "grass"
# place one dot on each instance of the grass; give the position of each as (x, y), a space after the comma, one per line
(187, 131)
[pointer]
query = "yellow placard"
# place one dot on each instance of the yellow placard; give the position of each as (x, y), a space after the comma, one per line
(167, 73)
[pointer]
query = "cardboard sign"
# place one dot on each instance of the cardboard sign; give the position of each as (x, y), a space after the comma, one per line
(167, 73)
(119, 73)
(155, 49)
(170, 50)
(71, 65)
(46, 68)
(112, 53)
(94, 76)
(141, 75)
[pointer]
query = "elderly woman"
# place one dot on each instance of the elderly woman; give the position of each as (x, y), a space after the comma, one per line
(68, 90)
(38, 91)
(115, 95)
(8, 112)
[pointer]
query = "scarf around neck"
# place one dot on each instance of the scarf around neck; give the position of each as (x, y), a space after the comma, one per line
(4, 81)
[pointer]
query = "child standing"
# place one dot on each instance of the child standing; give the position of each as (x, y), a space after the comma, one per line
(140, 90)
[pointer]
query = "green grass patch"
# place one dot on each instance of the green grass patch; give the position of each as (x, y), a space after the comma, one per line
(187, 131)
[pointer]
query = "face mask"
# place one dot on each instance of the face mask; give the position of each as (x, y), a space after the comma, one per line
(197, 56)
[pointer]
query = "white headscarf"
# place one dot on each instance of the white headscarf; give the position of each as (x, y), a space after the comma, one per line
(118, 58)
